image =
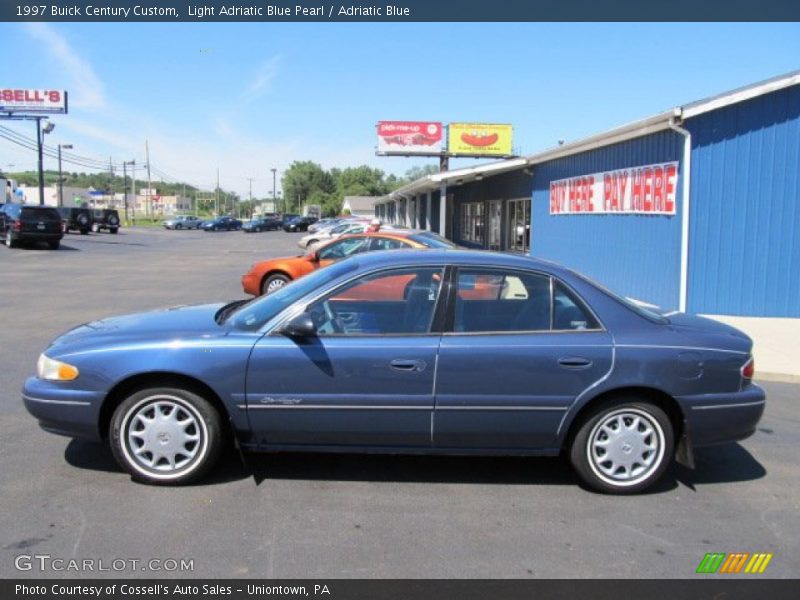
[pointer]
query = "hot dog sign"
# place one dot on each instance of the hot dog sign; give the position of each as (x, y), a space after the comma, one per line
(479, 139)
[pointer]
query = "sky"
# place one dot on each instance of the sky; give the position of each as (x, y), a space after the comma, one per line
(245, 98)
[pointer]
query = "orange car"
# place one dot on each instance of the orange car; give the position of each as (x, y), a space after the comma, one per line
(269, 275)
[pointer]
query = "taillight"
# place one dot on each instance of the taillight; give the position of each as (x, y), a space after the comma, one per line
(748, 369)
(16, 225)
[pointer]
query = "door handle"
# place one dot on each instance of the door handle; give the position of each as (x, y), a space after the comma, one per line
(574, 362)
(407, 365)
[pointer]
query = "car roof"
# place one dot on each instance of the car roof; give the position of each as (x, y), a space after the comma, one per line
(455, 256)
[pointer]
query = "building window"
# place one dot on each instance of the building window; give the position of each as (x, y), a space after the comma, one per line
(472, 222)
(519, 225)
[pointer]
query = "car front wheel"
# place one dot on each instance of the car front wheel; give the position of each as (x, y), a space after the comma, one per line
(273, 283)
(166, 435)
(623, 448)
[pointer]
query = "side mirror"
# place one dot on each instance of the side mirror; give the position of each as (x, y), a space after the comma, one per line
(301, 326)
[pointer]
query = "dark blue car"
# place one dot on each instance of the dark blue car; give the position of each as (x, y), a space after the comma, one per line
(451, 352)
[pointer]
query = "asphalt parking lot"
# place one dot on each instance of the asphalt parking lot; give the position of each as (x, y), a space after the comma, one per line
(320, 516)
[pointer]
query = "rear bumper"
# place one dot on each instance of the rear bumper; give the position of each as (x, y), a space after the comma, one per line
(63, 411)
(719, 418)
(33, 236)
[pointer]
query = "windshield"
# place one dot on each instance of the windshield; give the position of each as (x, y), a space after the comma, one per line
(256, 314)
(431, 240)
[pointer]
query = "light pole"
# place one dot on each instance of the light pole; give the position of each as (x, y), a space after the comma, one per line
(274, 171)
(60, 176)
(40, 132)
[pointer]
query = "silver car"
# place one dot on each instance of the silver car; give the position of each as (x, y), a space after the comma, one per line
(183, 222)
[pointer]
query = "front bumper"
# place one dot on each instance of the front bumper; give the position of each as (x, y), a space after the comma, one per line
(63, 410)
(719, 418)
(251, 284)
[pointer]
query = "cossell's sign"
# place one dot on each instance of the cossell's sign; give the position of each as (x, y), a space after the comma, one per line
(479, 139)
(33, 101)
(409, 137)
(649, 189)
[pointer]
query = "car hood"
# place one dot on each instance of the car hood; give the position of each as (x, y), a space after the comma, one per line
(172, 323)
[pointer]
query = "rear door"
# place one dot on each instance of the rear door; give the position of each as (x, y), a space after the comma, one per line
(519, 349)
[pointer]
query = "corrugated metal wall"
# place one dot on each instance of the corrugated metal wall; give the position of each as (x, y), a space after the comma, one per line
(634, 255)
(744, 244)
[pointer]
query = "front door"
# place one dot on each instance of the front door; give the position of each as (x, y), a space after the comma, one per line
(365, 379)
(521, 349)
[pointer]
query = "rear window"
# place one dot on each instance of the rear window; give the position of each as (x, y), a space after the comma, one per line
(40, 214)
(431, 240)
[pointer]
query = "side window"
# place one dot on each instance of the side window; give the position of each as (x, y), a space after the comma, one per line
(491, 300)
(379, 243)
(343, 248)
(396, 302)
(569, 313)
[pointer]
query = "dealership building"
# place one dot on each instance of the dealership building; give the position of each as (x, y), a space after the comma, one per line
(696, 208)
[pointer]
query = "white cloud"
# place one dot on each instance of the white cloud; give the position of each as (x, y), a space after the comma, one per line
(87, 90)
(262, 79)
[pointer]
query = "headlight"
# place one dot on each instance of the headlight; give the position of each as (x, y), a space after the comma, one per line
(55, 370)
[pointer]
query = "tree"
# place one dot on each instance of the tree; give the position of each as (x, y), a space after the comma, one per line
(301, 180)
(361, 181)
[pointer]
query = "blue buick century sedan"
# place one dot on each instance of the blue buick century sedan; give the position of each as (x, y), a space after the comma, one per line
(451, 352)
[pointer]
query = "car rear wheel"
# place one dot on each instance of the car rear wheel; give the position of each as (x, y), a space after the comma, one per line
(166, 435)
(54, 245)
(113, 230)
(623, 447)
(178, 226)
(273, 283)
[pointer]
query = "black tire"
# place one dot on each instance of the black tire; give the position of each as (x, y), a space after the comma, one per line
(178, 226)
(84, 232)
(258, 229)
(206, 424)
(54, 245)
(655, 450)
(274, 282)
(113, 230)
(83, 222)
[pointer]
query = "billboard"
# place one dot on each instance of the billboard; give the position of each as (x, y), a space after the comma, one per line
(409, 137)
(648, 189)
(479, 139)
(14, 100)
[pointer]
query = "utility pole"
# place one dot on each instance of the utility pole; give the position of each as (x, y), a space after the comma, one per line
(110, 179)
(217, 193)
(125, 188)
(251, 180)
(40, 131)
(274, 197)
(149, 182)
(60, 175)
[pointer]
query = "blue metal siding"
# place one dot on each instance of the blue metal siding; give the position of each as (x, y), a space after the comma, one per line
(744, 251)
(634, 255)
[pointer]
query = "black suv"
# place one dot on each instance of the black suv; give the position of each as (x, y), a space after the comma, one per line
(30, 223)
(79, 219)
(105, 218)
